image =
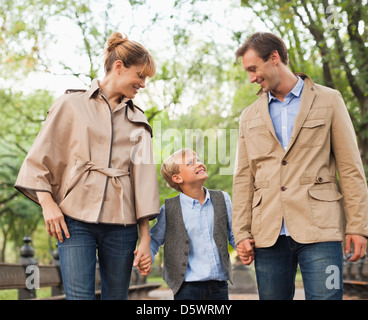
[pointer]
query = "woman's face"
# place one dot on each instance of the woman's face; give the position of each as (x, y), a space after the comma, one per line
(129, 80)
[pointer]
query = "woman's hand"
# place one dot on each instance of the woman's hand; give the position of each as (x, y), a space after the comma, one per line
(54, 218)
(143, 259)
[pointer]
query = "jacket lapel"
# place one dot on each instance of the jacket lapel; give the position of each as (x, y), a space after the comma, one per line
(265, 114)
(305, 106)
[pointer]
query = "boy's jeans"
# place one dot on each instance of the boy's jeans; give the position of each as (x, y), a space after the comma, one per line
(321, 265)
(115, 245)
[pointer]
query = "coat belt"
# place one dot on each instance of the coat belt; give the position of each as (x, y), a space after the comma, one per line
(80, 168)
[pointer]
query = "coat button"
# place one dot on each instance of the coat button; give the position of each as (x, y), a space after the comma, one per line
(284, 162)
(283, 188)
(320, 179)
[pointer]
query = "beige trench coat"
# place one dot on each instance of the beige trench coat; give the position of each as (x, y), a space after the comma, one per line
(97, 164)
(299, 185)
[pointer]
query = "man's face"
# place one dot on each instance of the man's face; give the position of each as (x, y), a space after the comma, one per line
(264, 73)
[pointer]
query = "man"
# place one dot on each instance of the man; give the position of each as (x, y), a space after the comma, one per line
(286, 201)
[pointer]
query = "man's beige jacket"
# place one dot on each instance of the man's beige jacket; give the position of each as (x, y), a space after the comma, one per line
(97, 163)
(317, 185)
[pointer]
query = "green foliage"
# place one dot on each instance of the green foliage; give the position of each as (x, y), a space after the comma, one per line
(22, 119)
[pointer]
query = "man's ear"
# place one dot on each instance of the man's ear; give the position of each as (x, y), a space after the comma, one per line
(177, 178)
(274, 57)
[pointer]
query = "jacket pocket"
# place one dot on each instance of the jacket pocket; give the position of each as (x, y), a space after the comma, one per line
(311, 134)
(256, 214)
(258, 138)
(325, 207)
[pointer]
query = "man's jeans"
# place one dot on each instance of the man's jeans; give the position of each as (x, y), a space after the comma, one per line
(115, 245)
(321, 265)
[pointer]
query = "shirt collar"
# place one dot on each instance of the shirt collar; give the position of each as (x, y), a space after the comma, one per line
(191, 201)
(296, 91)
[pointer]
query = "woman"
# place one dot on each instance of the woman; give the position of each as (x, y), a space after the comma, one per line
(91, 169)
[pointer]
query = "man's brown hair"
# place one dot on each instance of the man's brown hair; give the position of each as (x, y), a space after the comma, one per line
(264, 43)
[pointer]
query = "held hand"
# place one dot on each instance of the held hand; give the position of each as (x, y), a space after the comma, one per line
(360, 246)
(143, 263)
(143, 259)
(245, 251)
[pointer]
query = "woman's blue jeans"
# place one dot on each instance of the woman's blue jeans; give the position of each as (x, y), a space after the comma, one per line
(321, 266)
(114, 245)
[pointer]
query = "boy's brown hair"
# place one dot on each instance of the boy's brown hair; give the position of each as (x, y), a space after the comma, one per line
(170, 166)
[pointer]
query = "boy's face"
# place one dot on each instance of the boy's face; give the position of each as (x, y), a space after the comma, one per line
(191, 170)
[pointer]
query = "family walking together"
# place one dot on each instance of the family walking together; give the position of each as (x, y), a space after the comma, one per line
(299, 188)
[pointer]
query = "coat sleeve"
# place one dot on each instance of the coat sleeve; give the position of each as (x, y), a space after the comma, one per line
(242, 191)
(144, 177)
(350, 169)
(43, 167)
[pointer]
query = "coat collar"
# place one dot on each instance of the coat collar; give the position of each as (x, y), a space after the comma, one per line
(308, 95)
(133, 113)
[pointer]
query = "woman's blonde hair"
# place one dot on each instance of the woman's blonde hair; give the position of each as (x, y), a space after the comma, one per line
(170, 166)
(131, 53)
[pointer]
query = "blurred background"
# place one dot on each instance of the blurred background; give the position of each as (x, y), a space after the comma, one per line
(197, 94)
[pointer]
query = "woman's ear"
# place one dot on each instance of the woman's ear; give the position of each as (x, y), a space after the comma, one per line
(119, 66)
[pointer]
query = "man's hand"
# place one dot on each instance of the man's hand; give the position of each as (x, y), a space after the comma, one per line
(360, 246)
(245, 251)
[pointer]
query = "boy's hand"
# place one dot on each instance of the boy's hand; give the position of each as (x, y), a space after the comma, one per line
(245, 251)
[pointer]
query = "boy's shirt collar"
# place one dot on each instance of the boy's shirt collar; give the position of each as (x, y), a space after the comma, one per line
(191, 201)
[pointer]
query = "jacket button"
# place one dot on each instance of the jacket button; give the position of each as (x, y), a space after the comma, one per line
(284, 162)
(320, 179)
(283, 188)
(186, 253)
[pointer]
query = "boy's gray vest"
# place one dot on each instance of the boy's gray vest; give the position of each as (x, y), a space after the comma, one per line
(177, 244)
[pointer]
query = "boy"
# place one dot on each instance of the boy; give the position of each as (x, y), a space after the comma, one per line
(195, 227)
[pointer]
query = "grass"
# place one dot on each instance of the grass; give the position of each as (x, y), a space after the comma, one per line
(13, 293)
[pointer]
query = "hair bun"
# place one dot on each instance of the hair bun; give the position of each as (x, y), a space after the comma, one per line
(115, 39)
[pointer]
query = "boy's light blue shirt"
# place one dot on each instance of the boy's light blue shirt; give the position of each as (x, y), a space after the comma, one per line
(204, 262)
(283, 116)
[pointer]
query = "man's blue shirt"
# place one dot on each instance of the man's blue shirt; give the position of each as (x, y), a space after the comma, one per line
(283, 115)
